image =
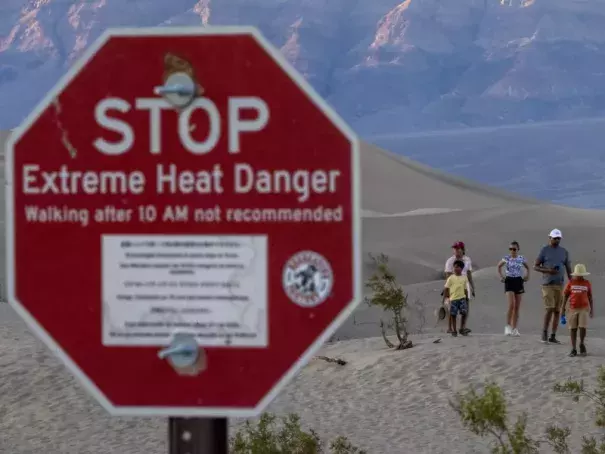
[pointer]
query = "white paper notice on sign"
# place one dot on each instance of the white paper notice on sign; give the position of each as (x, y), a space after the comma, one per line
(212, 287)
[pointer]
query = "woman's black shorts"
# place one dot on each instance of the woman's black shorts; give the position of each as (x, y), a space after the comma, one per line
(514, 284)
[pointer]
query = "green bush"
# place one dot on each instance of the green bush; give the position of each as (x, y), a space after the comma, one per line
(289, 438)
(390, 297)
(485, 414)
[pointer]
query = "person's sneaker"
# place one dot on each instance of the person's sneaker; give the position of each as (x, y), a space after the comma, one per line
(508, 330)
(545, 337)
(583, 351)
(553, 340)
(464, 332)
(515, 333)
(454, 333)
(573, 353)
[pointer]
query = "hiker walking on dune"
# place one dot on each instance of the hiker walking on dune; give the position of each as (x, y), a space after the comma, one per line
(578, 292)
(553, 263)
(460, 254)
(516, 273)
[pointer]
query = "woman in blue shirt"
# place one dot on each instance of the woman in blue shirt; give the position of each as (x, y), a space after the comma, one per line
(516, 274)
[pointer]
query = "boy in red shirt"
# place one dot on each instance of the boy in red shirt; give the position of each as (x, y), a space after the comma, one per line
(579, 294)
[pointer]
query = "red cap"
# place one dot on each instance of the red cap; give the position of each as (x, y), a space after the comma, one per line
(458, 245)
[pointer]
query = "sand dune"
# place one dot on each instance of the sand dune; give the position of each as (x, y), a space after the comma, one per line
(393, 184)
(397, 402)
(384, 401)
(556, 161)
(3, 137)
(485, 218)
(388, 402)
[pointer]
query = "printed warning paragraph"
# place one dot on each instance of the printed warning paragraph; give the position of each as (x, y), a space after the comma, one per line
(213, 286)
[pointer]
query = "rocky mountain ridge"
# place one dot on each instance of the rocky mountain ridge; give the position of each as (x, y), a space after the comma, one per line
(386, 66)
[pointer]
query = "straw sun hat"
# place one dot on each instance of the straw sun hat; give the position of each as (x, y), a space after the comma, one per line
(580, 270)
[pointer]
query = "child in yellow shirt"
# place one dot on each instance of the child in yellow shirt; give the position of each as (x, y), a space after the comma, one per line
(456, 291)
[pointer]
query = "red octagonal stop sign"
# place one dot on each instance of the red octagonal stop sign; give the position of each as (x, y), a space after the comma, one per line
(183, 184)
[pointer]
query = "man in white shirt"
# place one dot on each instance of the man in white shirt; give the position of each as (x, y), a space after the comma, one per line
(460, 254)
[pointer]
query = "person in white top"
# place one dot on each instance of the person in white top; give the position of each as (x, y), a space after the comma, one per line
(516, 273)
(460, 254)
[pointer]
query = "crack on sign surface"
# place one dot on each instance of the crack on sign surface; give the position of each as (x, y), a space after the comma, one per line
(64, 137)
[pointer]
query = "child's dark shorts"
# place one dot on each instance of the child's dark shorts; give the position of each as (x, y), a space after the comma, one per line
(458, 307)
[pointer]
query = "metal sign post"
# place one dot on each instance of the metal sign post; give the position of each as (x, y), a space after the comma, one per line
(197, 436)
(192, 435)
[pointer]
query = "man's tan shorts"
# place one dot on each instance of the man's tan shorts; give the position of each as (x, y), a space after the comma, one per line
(552, 295)
(578, 318)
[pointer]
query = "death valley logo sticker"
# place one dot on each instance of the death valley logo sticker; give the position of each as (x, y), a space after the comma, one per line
(307, 278)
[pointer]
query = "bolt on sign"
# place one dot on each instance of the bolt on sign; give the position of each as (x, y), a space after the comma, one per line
(183, 221)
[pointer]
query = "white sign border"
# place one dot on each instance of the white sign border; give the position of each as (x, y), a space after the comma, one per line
(89, 385)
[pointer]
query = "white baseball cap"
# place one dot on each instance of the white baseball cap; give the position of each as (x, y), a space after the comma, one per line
(555, 233)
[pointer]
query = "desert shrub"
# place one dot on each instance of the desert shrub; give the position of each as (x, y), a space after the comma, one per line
(485, 414)
(267, 437)
(577, 391)
(390, 297)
